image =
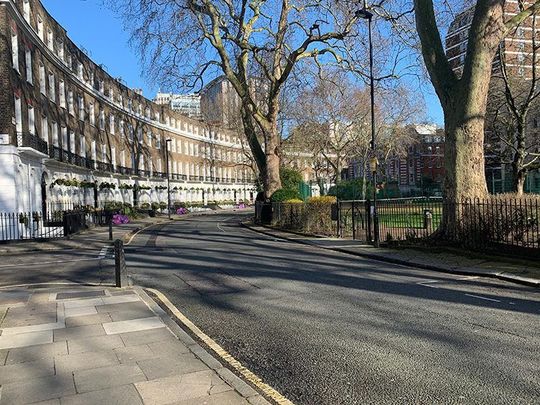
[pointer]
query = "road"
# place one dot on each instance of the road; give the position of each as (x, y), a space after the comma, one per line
(328, 328)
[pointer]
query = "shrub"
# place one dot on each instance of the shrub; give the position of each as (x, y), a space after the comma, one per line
(284, 195)
(290, 178)
(294, 201)
(325, 199)
(145, 206)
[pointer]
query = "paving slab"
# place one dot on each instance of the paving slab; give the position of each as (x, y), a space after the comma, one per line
(134, 325)
(131, 314)
(80, 311)
(93, 344)
(87, 320)
(126, 394)
(224, 398)
(38, 352)
(124, 306)
(106, 377)
(79, 294)
(26, 339)
(26, 371)
(165, 367)
(83, 361)
(134, 353)
(11, 321)
(78, 332)
(17, 330)
(168, 348)
(39, 389)
(90, 302)
(147, 337)
(177, 388)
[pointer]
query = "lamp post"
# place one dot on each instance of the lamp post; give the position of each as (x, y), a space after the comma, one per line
(167, 141)
(365, 14)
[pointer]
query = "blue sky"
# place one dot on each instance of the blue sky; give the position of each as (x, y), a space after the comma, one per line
(98, 30)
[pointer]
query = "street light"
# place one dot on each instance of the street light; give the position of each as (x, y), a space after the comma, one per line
(365, 14)
(167, 141)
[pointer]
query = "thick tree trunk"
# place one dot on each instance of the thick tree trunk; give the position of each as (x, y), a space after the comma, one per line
(520, 176)
(272, 179)
(464, 159)
(465, 179)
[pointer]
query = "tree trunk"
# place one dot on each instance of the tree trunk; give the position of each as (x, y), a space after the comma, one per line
(465, 178)
(272, 179)
(519, 175)
(464, 159)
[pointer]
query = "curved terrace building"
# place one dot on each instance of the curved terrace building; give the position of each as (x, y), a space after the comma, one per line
(71, 133)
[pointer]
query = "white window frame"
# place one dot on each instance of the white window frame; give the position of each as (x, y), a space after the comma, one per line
(62, 93)
(28, 62)
(18, 115)
(31, 120)
(15, 48)
(42, 80)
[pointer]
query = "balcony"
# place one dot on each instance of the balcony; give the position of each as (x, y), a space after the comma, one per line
(144, 173)
(33, 144)
(125, 170)
(160, 174)
(104, 167)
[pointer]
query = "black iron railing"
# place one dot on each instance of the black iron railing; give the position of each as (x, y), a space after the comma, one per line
(29, 140)
(492, 224)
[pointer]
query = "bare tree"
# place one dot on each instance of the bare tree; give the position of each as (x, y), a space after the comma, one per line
(514, 97)
(464, 99)
(265, 39)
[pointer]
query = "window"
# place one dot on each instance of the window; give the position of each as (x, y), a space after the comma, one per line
(123, 158)
(80, 70)
(50, 40)
(63, 131)
(101, 86)
(45, 128)
(28, 62)
(113, 156)
(71, 107)
(111, 123)
(42, 80)
(40, 27)
(103, 152)
(158, 142)
(81, 108)
(62, 93)
(26, 10)
(139, 135)
(101, 119)
(61, 50)
(92, 113)
(82, 146)
(121, 128)
(15, 48)
(31, 120)
(54, 127)
(72, 141)
(52, 87)
(68, 61)
(149, 137)
(94, 151)
(18, 114)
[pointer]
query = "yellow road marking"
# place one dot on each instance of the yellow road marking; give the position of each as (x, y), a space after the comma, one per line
(247, 374)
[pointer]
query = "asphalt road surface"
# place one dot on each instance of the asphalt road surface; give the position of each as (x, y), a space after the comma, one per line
(329, 328)
(324, 327)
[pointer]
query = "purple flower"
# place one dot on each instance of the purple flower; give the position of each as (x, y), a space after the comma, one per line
(119, 219)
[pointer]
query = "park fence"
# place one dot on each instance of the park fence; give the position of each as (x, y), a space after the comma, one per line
(492, 224)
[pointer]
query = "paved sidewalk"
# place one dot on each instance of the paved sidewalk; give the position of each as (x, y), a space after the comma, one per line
(516, 271)
(85, 345)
